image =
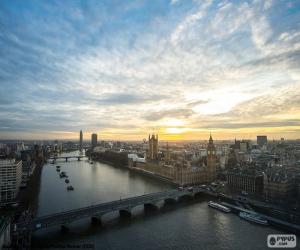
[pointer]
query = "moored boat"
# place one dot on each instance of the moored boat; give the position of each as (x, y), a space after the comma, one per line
(70, 188)
(219, 207)
(67, 181)
(253, 218)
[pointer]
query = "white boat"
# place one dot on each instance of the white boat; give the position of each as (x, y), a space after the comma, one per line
(219, 207)
(253, 218)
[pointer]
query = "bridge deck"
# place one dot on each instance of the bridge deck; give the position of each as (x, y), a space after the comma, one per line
(68, 157)
(66, 217)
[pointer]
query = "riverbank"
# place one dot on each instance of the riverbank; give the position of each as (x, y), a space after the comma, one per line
(117, 159)
(28, 197)
(150, 174)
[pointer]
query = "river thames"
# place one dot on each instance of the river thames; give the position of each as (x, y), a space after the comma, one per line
(186, 225)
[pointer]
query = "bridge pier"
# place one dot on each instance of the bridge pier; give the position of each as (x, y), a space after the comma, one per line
(170, 201)
(186, 197)
(96, 220)
(125, 213)
(64, 229)
(198, 194)
(150, 207)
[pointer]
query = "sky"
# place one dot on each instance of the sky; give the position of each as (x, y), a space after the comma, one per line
(124, 69)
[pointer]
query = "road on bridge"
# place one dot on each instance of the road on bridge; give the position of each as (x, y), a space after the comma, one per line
(64, 218)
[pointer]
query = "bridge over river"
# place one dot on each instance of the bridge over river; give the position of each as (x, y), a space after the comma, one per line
(95, 212)
(78, 157)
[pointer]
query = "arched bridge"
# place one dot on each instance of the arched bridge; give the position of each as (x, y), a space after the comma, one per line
(78, 157)
(124, 207)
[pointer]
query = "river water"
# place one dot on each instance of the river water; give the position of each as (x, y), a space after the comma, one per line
(187, 225)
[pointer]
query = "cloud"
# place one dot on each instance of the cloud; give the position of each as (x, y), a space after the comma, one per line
(173, 113)
(128, 99)
(66, 66)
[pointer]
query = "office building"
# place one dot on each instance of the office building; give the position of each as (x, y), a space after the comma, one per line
(10, 179)
(248, 180)
(278, 185)
(80, 140)
(94, 140)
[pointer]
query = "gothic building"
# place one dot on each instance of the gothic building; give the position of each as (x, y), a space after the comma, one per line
(152, 153)
(175, 167)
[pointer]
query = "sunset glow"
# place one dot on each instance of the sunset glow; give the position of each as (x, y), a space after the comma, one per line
(182, 69)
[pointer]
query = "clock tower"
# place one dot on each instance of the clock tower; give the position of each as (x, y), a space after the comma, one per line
(211, 159)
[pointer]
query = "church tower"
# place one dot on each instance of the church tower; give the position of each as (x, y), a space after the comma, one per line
(153, 147)
(211, 159)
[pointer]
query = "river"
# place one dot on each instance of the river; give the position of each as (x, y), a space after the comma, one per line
(189, 225)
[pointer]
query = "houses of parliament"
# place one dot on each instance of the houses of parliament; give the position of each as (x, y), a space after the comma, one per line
(177, 167)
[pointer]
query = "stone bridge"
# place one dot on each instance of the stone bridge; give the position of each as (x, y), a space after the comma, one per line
(78, 157)
(95, 212)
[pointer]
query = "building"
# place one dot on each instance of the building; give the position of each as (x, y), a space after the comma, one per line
(28, 165)
(94, 140)
(175, 166)
(262, 140)
(278, 185)
(245, 179)
(152, 153)
(80, 140)
(10, 179)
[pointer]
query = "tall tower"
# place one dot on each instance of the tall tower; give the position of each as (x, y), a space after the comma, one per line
(211, 159)
(94, 140)
(80, 140)
(153, 147)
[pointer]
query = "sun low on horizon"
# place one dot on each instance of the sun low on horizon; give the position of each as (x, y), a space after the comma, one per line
(178, 68)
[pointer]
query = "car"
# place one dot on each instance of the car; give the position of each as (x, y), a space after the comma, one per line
(180, 188)
(190, 189)
(39, 225)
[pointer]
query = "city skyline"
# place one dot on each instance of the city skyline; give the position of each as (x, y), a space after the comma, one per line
(181, 69)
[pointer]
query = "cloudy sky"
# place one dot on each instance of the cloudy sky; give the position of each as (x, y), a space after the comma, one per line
(124, 69)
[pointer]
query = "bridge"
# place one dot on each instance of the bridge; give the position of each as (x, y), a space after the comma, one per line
(124, 206)
(78, 157)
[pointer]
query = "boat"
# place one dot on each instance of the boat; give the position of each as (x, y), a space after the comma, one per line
(70, 188)
(67, 181)
(63, 174)
(57, 166)
(253, 218)
(219, 207)
(58, 170)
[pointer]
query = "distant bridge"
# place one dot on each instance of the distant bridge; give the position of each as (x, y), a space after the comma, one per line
(78, 157)
(95, 212)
